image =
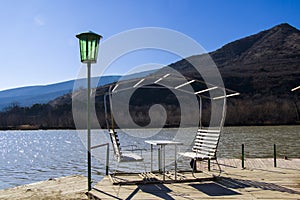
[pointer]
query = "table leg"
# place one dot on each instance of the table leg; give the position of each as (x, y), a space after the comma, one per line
(151, 169)
(159, 160)
(164, 150)
(175, 161)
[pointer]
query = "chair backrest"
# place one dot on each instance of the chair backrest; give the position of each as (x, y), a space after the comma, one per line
(115, 143)
(206, 142)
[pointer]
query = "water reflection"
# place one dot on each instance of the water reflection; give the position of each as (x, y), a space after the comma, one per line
(30, 156)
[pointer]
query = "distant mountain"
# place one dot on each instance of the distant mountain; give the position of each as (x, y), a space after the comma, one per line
(27, 96)
(265, 63)
(263, 67)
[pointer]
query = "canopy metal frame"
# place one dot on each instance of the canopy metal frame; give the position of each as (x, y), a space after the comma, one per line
(201, 89)
(170, 81)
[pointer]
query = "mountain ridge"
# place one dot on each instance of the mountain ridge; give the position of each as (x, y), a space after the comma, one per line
(239, 47)
(263, 67)
(29, 95)
(276, 54)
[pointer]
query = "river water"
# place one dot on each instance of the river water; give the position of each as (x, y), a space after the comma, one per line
(31, 156)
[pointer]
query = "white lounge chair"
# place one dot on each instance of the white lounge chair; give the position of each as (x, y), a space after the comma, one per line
(204, 148)
(127, 155)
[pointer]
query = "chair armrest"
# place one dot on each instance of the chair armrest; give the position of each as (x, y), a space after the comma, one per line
(134, 148)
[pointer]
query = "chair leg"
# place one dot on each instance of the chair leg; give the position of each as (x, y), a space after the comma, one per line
(209, 168)
(145, 166)
(220, 170)
(116, 169)
(196, 170)
(193, 166)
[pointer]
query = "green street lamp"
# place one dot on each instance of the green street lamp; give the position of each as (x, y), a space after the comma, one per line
(89, 45)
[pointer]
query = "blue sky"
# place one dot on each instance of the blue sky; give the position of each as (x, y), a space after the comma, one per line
(38, 44)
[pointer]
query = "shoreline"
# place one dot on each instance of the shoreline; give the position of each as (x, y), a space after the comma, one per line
(32, 127)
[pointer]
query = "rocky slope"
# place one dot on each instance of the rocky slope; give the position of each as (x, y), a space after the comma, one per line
(264, 68)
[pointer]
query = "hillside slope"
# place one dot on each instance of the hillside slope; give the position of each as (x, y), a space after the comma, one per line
(263, 67)
(265, 63)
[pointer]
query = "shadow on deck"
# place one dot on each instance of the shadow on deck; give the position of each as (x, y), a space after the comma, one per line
(235, 183)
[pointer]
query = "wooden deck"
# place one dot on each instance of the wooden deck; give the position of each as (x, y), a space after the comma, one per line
(260, 180)
(70, 187)
(260, 163)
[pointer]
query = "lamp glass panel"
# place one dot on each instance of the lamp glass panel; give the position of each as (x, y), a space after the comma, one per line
(96, 49)
(83, 50)
(90, 50)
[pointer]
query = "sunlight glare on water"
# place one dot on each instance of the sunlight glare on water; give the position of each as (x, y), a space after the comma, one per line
(31, 156)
